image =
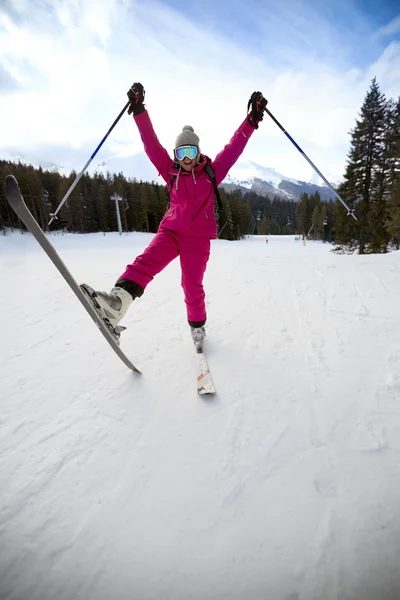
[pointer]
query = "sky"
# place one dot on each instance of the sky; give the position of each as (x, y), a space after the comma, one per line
(65, 68)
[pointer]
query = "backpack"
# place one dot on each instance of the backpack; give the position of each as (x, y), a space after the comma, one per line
(210, 172)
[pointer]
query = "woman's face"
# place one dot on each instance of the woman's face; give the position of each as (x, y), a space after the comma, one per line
(187, 156)
(187, 163)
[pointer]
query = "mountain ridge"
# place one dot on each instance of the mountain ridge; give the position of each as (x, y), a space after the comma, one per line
(267, 181)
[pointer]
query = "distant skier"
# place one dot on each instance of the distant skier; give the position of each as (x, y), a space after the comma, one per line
(189, 223)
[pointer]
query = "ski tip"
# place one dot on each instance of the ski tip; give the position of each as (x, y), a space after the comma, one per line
(10, 184)
(209, 392)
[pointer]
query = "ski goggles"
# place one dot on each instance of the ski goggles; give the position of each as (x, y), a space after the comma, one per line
(189, 151)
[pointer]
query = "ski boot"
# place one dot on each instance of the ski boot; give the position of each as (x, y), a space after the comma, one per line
(198, 335)
(110, 307)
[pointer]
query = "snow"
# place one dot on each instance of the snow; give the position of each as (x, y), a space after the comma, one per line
(284, 486)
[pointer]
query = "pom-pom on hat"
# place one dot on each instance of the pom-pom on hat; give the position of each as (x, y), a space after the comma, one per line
(187, 137)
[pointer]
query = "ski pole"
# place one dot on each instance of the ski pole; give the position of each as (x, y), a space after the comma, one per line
(54, 215)
(350, 212)
(222, 229)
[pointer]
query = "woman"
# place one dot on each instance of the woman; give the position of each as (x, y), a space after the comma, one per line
(189, 224)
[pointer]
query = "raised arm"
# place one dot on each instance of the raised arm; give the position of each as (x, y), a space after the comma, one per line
(154, 150)
(231, 152)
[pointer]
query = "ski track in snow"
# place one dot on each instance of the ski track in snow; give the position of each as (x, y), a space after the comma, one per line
(282, 486)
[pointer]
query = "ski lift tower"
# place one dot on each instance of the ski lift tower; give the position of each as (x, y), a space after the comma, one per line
(258, 221)
(325, 223)
(117, 199)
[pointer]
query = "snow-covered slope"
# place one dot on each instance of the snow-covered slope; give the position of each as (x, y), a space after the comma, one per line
(119, 486)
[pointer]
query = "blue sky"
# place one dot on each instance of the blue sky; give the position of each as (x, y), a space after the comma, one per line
(65, 67)
(313, 27)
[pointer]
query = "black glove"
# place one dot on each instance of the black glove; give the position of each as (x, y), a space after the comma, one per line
(136, 97)
(257, 103)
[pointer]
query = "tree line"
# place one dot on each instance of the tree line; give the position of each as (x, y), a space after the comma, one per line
(89, 207)
(315, 218)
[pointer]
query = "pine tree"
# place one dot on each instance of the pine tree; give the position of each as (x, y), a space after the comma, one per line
(153, 207)
(393, 205)
(317, 222)
(314, 222)
(393, 220)
(144, 208)
(302, 215)
(364, 158)
(323, 221)
(101, 203)
(226, 224)
(384, 174)
(8, 218)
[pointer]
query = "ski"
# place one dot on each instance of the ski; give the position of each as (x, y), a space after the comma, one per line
(205, 383)
(17, 203)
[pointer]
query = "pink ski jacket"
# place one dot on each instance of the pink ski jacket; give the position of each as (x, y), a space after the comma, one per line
(191, 210)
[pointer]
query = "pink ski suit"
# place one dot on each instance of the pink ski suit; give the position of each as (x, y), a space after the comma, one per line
(189, 223)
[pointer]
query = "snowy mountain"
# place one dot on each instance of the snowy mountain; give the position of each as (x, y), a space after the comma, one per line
(19, 158)
(133, 166)
(268, 182)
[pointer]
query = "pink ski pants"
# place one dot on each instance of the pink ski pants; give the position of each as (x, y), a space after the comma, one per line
(193, 252)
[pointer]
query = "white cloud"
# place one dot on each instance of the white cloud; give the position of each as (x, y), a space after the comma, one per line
(387, 70)
(75, 62)
(390, 29)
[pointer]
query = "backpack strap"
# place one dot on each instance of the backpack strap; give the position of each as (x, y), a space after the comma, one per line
(211, 173)
(171, 181)
(172, 178)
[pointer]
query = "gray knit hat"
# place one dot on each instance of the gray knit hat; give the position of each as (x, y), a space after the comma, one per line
(187, 138)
